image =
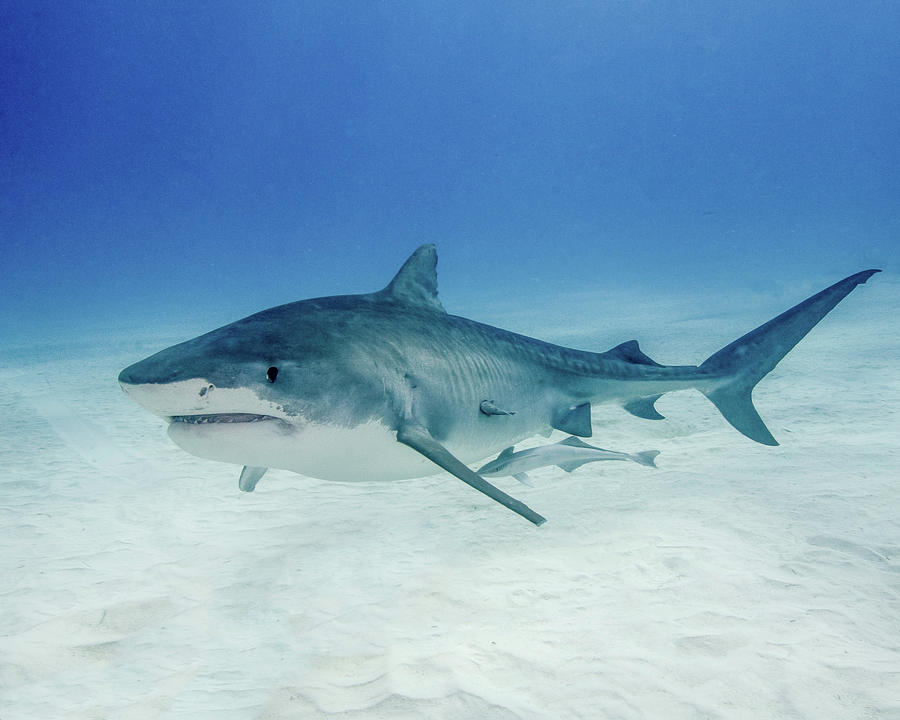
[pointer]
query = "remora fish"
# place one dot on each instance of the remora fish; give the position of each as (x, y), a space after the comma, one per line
(386, 385)
(567, 454)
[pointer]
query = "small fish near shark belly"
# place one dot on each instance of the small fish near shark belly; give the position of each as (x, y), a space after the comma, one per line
(568, 454)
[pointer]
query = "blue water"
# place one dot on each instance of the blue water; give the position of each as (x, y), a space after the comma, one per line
(591, 172)
(207, 160)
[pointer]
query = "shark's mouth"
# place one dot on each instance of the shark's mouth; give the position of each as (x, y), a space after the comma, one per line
(221, 418)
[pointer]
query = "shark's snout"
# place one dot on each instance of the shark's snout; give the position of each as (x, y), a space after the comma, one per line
(147, 372)
(160, 388)
(130, 376)
(164, 391)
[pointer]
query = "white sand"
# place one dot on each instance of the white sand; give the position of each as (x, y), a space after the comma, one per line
(737, 581)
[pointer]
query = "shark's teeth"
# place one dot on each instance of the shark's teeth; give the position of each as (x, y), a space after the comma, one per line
(221, 418)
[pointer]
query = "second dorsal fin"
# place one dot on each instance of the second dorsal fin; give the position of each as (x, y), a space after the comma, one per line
(631, 352)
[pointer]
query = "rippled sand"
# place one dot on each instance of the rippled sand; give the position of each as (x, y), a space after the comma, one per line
(736, 580)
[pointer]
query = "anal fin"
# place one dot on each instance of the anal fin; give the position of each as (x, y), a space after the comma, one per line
(419, 439)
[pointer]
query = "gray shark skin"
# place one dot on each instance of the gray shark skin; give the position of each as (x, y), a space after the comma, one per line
(386, 385)
(568, 454)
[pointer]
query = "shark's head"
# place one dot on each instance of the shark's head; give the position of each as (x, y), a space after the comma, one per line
(244, 392)
(221, 393)
(227, 375)
(316, 386)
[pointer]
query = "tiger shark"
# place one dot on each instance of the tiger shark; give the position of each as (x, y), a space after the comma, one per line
(387, 385)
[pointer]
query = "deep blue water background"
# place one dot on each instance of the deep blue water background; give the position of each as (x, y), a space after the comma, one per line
(206, 160)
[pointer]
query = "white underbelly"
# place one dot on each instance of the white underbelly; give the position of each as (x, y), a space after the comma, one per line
(367, 452)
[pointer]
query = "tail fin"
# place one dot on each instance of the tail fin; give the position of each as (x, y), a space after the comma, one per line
(647, 457)
(750, 358)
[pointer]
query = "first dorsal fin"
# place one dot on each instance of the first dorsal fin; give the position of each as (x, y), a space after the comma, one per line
(631, 352)
(416, 282)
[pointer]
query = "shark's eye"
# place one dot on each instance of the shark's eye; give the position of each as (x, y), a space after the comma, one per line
(271, 374)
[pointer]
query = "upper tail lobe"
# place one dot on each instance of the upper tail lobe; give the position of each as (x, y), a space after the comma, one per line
(748, 359)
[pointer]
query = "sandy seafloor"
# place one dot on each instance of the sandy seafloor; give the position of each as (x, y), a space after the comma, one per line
(736, 581)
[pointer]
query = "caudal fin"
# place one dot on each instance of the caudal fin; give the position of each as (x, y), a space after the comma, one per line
(647, 457)
(750, 358)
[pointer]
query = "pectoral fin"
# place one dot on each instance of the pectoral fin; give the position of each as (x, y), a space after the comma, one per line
(250, 476)
(420, 440)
